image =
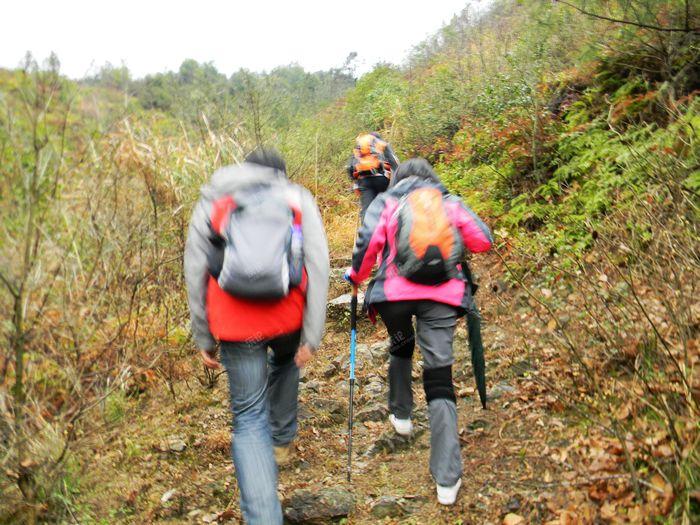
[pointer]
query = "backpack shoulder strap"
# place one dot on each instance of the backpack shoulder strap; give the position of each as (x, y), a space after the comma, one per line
(294, 199)
(220, 213)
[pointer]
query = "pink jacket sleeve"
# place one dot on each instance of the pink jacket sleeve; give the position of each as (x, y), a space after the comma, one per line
(475, 234)
(370, 241)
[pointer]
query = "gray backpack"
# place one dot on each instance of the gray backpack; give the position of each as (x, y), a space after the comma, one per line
(263, 248)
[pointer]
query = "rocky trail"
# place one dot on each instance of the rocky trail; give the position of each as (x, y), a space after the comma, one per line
(170, 461)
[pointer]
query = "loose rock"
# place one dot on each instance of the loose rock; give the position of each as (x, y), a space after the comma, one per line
(329, 371)
(498, 390)
(374, 388)
(311, 386)
(513, 504)
(389, 507)
(304, 413)
(341, 305)
(375, 412)
(318, 506)
(329, 411)
(173, 444)
(393, 442)
(341, 362)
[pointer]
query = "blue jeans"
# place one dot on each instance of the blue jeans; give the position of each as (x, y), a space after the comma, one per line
(263, 391)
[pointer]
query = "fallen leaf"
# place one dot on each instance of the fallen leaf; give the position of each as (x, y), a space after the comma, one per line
(663, 451)
(623, 411)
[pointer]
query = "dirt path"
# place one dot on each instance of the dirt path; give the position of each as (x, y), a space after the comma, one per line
(170, 461)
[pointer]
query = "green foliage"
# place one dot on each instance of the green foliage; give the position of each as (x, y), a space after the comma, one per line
(547, 122)
(115, 406)
(377, 98)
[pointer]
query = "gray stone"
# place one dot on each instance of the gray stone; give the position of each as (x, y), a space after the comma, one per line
(375, 412)
(329, 411)
(380, 347)
(342, 362)
(310, 386)
(341, 305)
(393, 442)
(420, 417)
(318, 506)
(174, 444)
(329, 371)
(362, 354)
(513, 504)
(374, 388)
(345, 299)
(498, 391)
(304, 413)
(522, 367)
(344, 385)
(498, 286)
(388, 507)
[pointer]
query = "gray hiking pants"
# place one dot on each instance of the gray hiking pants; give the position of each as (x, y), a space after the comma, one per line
(435, 326)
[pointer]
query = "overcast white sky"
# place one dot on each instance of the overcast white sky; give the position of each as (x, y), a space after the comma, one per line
(150, 36)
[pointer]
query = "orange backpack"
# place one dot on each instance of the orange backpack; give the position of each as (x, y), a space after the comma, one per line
(428, 246)
(369, 155)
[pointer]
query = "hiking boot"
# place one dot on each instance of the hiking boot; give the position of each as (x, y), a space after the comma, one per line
(283, 454)
(403, 427)
(448, 495)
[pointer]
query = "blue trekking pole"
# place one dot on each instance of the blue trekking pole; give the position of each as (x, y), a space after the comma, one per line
(353, 339)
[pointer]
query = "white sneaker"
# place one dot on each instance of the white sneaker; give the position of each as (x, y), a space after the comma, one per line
(403, 427)
(448, 495)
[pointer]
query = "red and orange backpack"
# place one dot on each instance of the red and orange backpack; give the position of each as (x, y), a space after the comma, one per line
(369, 156)
(428, 245)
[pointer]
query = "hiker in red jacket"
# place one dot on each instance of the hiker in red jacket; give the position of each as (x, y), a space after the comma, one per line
(256, 267)
(416, 233)
(370, 167)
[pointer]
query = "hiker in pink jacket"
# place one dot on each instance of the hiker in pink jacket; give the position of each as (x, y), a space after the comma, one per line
(417, 234)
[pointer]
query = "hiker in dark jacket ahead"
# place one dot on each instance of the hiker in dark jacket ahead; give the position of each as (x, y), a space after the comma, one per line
(256, 266)
(370, 167)
(419, 232)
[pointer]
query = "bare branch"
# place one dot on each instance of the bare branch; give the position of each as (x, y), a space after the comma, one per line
(630, 22)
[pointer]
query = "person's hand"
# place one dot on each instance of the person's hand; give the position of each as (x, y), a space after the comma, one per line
(347, 277)
(303, 355)
(209, 359)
